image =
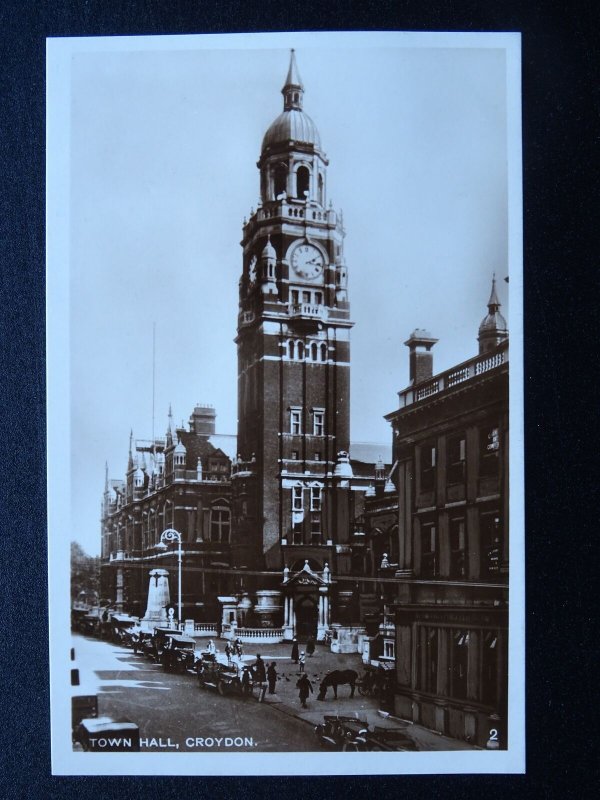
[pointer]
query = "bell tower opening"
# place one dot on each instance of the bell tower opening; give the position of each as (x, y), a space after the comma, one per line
(302, 183)
(280, 179)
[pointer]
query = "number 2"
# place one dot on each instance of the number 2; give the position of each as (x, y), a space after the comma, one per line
(493, 735)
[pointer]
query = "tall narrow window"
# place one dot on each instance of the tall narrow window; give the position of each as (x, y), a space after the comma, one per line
(321, 190)
(300, 351)
(313, 351)
(296, 421)
(323, 352)
(458, 550)
(318, 423)
(295, 297)
(456, 459)
(219, 524)
(459, 658)
(291, 350)
(297, 503)
(489, 668)
(302, 183)
(315, 498)
(429, 551)
(428, 455)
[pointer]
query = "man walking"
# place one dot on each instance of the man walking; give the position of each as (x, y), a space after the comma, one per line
(304, 687)
(271, 677)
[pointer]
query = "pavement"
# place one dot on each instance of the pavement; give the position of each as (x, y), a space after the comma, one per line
(286, 700)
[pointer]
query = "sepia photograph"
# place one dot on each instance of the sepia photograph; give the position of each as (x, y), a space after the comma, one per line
(285, 521)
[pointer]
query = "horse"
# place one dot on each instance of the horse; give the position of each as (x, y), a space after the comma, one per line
(334, 679)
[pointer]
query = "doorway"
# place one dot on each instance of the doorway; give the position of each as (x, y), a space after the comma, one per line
(307, 615)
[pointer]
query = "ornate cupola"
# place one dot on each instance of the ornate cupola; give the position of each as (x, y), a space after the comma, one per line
(493, 329)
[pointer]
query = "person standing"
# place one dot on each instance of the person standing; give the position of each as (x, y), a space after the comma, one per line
(295, 650)
(271, 677)
(301, 661)
(228, 652)
(304, 687)
(260, 677)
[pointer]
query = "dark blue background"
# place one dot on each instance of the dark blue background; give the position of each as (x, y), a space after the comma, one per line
(560, 53)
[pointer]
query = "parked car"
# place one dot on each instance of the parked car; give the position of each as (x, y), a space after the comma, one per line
(141, 641)
(225, 678)
(121, 625)
(342, 733)
(389, 739)
(107, 735)
(179, 653)
(154, 646)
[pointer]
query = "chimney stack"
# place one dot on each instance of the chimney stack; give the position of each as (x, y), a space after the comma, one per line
(420, 343)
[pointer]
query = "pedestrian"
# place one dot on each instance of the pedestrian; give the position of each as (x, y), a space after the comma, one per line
(246, 689)
(310, 646)
(295, 650)
(211, 649)
(239, 650)
(260, 677)
(304, 687)
(301, 661)
(272, 677)
(228, 652)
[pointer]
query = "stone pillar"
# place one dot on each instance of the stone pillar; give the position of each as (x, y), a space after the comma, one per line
(158, 598)
(119, 590)
(289, 621)
(322, 618)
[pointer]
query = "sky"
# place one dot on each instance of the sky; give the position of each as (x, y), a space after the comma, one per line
(162, 150)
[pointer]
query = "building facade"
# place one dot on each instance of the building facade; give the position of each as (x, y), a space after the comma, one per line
(446, 570)
(181, 482)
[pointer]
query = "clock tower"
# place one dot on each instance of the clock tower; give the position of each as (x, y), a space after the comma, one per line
(290, 479)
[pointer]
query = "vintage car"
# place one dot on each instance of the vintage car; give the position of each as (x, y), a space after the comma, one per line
(107, 735)
(226, 678)
(389, 739)
(141, 641)
(84, 704)
(153, 646)
(342, 733)
(179, 653)
(121, 626)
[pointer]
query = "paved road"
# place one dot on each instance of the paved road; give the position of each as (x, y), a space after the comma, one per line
(174, 714)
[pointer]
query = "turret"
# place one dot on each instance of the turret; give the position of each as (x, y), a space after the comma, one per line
(493, 329)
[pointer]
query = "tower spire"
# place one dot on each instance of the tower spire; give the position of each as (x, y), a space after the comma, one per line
(106, 476)
(130, 460)
(493, 329)
(293, 88)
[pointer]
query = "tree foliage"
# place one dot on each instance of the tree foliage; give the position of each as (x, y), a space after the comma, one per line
(85, 574)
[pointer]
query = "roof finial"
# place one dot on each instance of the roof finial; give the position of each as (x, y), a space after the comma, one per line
(493, 302)
(293, 88)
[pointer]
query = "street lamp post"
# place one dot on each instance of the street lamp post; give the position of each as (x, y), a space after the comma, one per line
(171, 535)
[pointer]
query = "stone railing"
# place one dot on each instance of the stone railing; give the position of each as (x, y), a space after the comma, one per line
(459, 374)
(296, 211)
(256, 635)
(120, 555)
(309, 310)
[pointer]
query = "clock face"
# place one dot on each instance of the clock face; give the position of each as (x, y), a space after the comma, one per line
(307, 261)
(252, 270)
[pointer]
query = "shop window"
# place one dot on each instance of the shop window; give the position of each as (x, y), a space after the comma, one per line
(219, 524)
(318, 423)
(489, 451)
(296, 421)
(456, 449)
(429, 551)
(302, 183)
(490, 529)
(458, 549)
(428, 461)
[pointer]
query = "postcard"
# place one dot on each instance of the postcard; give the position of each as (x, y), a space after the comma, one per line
(285, 523)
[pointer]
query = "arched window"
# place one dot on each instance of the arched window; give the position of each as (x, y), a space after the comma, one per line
(302, 182)
(313, 351)
(280, 179)
(291, 350)
(219, 523)
(321, 190)
(323, 352)
(300, 351)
